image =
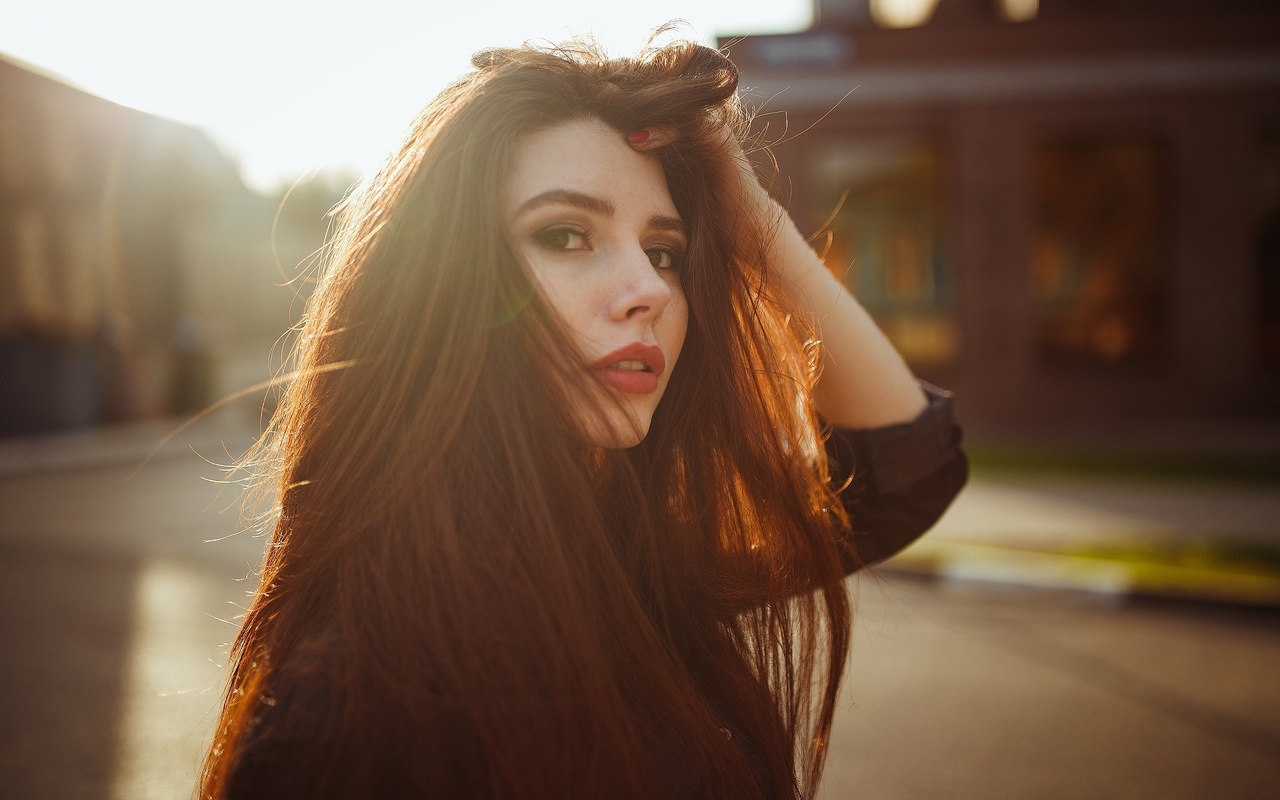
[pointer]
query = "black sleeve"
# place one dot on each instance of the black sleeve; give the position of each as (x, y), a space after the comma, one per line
(896, 481)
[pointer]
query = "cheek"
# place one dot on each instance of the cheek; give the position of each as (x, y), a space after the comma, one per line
(563, 297)
(676, 322)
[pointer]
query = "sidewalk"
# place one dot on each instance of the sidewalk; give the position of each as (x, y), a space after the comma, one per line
(222, 435)
(1116, 535)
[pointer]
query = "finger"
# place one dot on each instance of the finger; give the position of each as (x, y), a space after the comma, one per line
(652, 137)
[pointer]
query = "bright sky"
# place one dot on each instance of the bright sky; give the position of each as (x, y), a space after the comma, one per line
(287, 86)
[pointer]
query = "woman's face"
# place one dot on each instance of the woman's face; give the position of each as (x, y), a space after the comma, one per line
(595, 223)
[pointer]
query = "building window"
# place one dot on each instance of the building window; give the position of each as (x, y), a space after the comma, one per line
(885, 200)
(1097, 262)
(1267, 248)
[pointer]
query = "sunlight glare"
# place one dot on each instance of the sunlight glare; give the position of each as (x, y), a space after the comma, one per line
(285, 88)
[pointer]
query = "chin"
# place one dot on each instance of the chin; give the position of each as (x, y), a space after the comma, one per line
(619, 429)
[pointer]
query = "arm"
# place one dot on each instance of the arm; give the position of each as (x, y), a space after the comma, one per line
(895, 451)
(863, 382)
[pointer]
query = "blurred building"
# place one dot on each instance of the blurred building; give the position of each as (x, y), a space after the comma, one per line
(1065, 209)
(133, 261)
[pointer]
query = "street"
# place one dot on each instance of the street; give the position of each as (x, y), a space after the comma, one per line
(118, 595)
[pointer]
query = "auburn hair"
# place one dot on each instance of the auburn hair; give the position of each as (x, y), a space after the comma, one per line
(460, 599)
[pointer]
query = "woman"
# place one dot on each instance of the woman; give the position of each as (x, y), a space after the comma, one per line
(556, 519)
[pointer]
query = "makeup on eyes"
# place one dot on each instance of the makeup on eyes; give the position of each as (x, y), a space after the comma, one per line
(563, 237)
(570, 237)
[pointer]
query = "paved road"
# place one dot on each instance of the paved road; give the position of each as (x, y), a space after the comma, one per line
(114, 594)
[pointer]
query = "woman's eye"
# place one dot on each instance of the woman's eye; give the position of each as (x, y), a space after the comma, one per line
(662, 258)
(562, 238)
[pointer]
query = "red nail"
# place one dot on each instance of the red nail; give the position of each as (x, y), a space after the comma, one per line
(639, 137)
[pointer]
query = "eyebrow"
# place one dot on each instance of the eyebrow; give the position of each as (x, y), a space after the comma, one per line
(598, 205)
(663, 222)
(567, 197)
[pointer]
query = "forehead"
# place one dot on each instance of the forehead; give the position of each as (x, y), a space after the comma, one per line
(589, 157)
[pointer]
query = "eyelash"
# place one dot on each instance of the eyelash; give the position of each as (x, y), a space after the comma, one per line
(550, 237)
(558, 237)
(677, 258)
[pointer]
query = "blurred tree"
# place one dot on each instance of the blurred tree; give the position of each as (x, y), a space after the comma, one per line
(308, 201)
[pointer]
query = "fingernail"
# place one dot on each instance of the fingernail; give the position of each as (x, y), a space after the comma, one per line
(639, 137)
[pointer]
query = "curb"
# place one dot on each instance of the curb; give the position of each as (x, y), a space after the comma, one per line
(1154, 574)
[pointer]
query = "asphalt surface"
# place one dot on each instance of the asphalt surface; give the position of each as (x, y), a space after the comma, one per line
(118, 592)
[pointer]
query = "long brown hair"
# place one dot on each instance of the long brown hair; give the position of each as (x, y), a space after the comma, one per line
(458, 599)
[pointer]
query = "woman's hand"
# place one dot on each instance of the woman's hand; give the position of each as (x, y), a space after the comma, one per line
(864, 382)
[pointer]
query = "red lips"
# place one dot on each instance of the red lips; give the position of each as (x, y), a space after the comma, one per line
(634, 369)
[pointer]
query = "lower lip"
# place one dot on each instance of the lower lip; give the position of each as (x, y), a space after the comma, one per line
(629, 381)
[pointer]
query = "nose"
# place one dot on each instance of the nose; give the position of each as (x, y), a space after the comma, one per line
(639, 290)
